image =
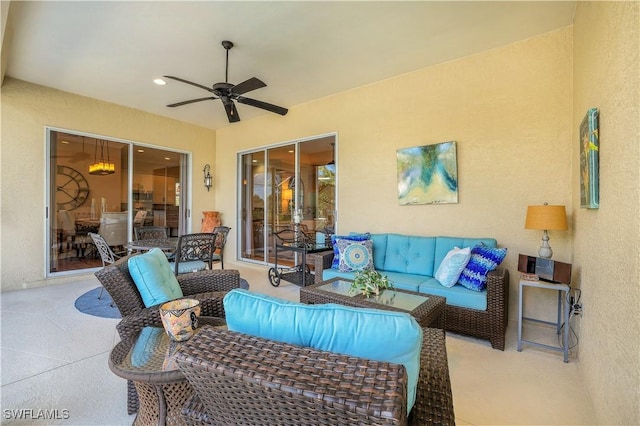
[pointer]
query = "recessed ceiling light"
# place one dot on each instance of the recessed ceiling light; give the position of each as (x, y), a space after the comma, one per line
(291, 151)
(159, 81)
(255, 161)
(65, 142)
(141, 150)
(167, 158)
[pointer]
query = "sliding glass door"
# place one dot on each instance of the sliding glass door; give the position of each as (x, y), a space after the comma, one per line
(275, 183)
(108, 187)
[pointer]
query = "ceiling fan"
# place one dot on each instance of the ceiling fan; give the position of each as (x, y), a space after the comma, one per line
(228, 92)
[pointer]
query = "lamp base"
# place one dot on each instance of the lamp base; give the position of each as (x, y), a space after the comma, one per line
(545, 249)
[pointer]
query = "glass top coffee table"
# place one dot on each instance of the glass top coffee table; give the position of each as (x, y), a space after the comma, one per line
(427, 309)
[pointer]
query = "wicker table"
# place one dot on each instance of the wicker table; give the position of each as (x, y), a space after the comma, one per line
(146, 358)
(428, 310)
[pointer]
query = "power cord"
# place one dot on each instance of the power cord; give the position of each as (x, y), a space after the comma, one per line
(575, 309)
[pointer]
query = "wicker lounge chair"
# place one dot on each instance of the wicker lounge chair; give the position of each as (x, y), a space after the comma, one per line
(241, 379)
(209, 287)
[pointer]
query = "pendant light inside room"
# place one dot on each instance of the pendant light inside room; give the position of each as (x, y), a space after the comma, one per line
(102, 166)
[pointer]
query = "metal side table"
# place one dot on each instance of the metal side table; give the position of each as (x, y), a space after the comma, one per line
(562, 301)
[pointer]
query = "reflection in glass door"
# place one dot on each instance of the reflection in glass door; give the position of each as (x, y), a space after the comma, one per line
(89, 192)
(277, 182)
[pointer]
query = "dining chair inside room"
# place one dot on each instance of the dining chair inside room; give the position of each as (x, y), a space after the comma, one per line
(150, 232)
(138, 220)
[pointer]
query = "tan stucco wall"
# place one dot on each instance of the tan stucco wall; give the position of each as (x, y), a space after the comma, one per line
(509, 110)
(26, 110)
(607, 240)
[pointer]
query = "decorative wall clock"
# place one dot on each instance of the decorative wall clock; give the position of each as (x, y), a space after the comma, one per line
(72, 189)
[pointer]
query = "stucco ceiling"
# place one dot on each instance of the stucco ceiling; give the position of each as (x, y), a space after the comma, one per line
(302, 50)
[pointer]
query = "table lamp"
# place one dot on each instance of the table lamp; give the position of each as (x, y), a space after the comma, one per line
(546, 218)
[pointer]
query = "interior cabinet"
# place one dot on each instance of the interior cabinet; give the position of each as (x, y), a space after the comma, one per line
(164, 190)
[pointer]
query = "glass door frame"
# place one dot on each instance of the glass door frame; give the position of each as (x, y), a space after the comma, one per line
(50, 208)
(240, 169)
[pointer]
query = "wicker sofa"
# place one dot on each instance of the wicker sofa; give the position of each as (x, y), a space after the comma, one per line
(209, 287)
(242, 379)
(482, 315)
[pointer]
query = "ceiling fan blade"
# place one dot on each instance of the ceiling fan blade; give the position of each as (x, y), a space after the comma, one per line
(247, 86)
(263, 105)
(208, 89)
(232, 112)
(177, 104)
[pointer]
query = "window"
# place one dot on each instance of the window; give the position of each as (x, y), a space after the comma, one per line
(278, 181)
(90, 191)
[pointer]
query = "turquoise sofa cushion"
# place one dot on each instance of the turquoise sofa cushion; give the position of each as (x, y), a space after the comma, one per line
(379, 250)
(456, 295)
(366, 333)
(154, 277)
(404, 281)
(410, 254)
(327, 274)
(445, 244)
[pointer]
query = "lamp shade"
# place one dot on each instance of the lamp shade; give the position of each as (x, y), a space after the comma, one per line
(546, 218)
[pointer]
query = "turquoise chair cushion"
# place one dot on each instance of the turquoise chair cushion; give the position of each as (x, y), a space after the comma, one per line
(189, 266)
(154, 277)
(366, 333)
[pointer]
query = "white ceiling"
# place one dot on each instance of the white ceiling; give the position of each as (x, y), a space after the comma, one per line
(302, 50)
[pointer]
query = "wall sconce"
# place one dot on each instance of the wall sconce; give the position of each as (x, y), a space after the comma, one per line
(207, 177)
(545, 218)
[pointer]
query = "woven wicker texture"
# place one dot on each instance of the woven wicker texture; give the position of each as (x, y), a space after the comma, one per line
(239, 379)
(208, 287)
(490, 325)
(161, 386)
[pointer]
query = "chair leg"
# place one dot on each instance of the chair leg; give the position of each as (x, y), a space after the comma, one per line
(100, 297)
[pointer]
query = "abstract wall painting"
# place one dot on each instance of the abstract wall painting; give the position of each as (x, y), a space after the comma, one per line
(428, 174)
(589, 158)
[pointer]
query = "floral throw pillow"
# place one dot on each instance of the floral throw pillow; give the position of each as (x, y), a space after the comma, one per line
(355, 255)
(483, 260)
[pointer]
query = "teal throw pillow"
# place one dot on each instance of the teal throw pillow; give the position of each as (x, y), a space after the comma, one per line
(355, 255)
(353, 237)
(365, 333)
(483, 260)
(452, 266)
(154, 278)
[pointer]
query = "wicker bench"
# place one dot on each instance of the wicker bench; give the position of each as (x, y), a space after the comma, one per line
(241, 379)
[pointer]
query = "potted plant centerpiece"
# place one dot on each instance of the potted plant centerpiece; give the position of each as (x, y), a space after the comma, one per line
(370, 283)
